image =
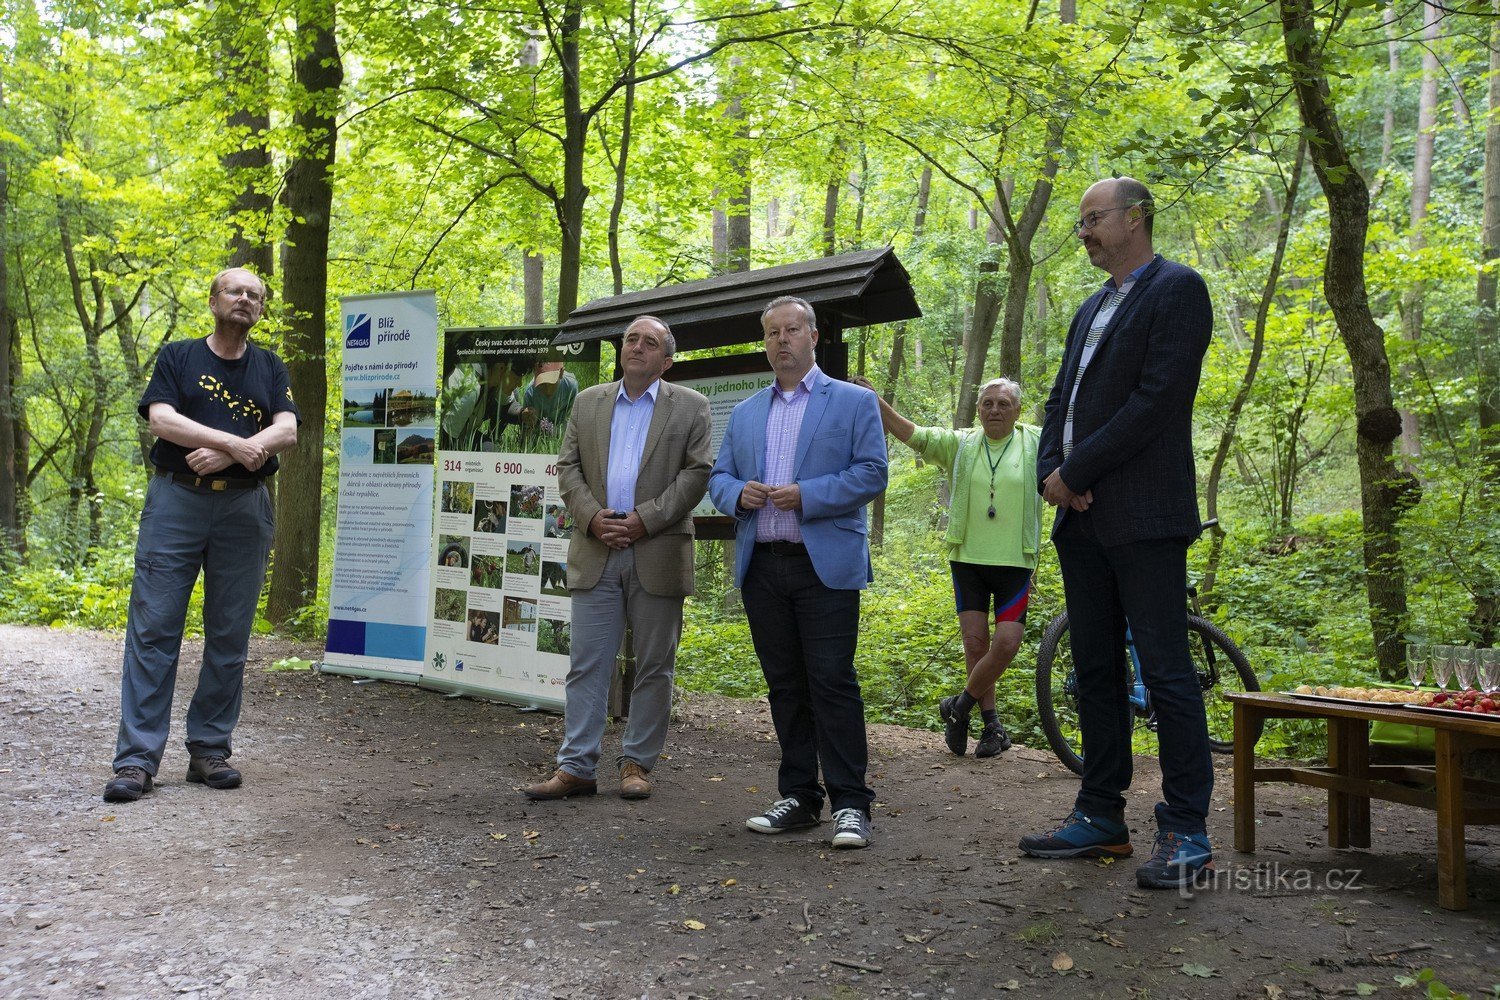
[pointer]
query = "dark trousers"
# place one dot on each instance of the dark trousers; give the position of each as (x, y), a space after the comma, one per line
(805, 636)
(186, 530)
(1145, 582)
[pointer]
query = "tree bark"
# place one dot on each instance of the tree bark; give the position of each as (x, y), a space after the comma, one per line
(1384, 489)
(10, 477)
(308, 197)
(574, 145)
(533, 265)
(1486, 611)
(1421, 191)
(245, 67)
(1247, 381)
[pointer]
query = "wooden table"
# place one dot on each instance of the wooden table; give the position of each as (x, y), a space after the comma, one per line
(1352, 781)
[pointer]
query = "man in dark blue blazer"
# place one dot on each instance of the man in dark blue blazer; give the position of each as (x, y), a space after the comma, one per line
(1116, 459)
(799, 462)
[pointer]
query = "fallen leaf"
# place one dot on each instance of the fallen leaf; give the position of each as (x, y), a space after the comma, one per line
(1113, 942)
(499, 836)
(1274, 992)
(1062, 962)
(674, 890)
(531, 834)
(730, 881)
(694, 925)
(716, 778)
(1364, 989)
(1200, 971)
(1009, 984)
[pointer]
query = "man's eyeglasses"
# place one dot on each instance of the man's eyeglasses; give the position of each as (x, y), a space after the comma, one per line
(1092, 219)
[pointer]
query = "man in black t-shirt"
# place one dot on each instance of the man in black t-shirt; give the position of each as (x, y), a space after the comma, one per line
(221, 409)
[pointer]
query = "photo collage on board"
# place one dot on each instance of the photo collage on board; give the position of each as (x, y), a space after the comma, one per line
(500, 580)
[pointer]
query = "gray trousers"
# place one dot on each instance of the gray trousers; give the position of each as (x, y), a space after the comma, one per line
(185, 530)
(599, 617)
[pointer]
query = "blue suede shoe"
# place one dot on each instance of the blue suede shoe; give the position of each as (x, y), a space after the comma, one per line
(1080, 836)
(1176, 859)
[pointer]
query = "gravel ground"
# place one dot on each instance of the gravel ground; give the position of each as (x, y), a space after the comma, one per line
(378, 849)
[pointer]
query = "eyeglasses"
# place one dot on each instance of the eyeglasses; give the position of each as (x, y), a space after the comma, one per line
(1092, 219)
(253, 294)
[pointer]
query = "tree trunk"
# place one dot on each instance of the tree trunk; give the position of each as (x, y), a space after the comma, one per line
(245, 68)
(831, 215)
(616, 206)
(533, 270)
(1487, 339)
(1421, 190)
(1384, 489)
(981, 329)
(308, 197)
(737, 220)
(575, 139)
(10, 477)
(1247, 381)
(130, 354)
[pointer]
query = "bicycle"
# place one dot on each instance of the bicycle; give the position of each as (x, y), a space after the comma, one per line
(1211, 649)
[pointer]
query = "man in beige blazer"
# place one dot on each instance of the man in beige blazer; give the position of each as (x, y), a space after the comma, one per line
(634, 463)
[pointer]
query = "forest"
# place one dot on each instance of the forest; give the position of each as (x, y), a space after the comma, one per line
(1332, 168)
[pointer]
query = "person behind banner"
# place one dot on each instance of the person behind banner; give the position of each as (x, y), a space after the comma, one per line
(633, 464)
(994, 532)
(800, 460)
(222, 410)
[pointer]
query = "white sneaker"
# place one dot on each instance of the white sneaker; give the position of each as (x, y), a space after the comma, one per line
(851, 828)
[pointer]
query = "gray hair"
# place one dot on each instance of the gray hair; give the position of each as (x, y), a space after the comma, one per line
(668, 339)
(790, 300)
(1004, 385)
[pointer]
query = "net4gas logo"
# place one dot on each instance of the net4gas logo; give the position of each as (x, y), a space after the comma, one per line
(357, 330)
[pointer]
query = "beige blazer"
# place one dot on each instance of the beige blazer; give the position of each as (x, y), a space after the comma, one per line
(673, 477)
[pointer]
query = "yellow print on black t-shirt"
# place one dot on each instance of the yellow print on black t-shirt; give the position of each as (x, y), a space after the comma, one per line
(238, 407)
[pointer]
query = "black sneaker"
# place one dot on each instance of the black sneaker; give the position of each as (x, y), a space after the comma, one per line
(993, 741)
(851, 828)
(784, 815)
(212, 770)
(955, 726)
(128, 784)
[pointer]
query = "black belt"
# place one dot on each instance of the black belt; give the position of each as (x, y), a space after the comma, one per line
(783, 548)
(209, 482)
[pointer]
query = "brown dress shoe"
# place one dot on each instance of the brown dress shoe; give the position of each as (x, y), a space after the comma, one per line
(560, 786)
(633, 783)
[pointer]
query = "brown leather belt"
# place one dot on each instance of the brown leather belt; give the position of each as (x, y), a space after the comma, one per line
(209, 482)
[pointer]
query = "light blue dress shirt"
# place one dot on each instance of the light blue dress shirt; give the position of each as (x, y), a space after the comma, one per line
(628, 426)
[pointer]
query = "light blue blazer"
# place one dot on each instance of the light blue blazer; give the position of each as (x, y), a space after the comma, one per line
(840, 465)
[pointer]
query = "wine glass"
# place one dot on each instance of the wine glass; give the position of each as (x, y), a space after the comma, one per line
(1417, 654)
(1442, 666)
(1464, 664)
(1489, 669)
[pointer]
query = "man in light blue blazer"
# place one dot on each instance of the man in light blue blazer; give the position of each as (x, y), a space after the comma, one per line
(799, 462)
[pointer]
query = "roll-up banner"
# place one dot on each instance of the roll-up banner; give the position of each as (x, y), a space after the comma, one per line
(378, 601)
(501, 614)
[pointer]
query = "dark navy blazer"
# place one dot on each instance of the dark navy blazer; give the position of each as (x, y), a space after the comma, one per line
(1133, 416)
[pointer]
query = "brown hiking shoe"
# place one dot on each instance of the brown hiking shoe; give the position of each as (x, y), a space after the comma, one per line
(128, 784)
(633, 783)
(560, 786)
(212, 770)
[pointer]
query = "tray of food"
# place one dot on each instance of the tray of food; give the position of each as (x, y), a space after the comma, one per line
(1390, 697)
(1463, 704)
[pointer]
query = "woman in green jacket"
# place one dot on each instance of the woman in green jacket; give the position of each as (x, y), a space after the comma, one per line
(994, 530)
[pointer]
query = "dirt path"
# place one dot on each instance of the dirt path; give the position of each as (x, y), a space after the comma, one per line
(378, 849)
